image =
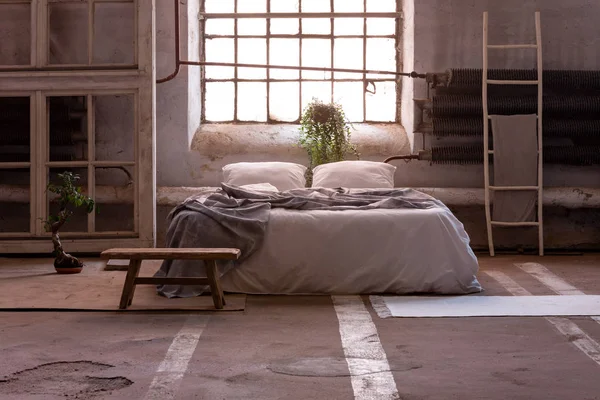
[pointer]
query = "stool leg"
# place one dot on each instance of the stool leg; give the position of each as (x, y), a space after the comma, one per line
(129, 286)
(215, 286)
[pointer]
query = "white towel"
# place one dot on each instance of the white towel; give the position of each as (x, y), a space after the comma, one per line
(515, 164)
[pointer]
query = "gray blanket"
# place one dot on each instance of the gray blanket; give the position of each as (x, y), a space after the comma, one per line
(238, 218)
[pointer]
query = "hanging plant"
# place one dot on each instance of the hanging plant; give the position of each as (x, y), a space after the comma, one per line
(69, 197)
(325, 135)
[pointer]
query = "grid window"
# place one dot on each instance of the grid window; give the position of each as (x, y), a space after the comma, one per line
(259, 36)
(77, 33)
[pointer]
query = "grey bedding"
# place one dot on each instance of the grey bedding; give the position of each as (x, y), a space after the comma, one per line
(238, 217)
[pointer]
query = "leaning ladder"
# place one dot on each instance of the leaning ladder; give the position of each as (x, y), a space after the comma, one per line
(486, 147)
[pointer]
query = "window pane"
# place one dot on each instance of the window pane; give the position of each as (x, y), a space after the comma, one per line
(381, 106)
(284, 5)
(348, 53)
(315, 6)
(252, 51)
(252, 101)
(316, 53)
(15, 129)
(316, 26)
(381, 55)
(218, 6)
(114, 33)
(349, 6)
(15, 31)
(67, 128)
(219, 50)
(219, 101)
(115, 195)
(285, 26)
(381, 5)
(114, 123)
(68, 38)
(222, 26)
(249, 6)
(318, 90)
(252, 26)
(15, 215)
(283, 101)
(381, 26)
(285, 52)
(349, 26)
(350, 96)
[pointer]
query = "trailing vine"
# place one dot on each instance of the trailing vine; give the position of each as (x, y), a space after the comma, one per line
(325, 135)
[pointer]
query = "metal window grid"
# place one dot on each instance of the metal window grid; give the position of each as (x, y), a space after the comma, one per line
(300, 36)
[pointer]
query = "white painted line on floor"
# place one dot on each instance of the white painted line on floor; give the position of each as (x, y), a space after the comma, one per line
(172, 369)
(552, 281)
(543, 274)
(367, 362)
(568, 328)
(508, 283)
(579, 338)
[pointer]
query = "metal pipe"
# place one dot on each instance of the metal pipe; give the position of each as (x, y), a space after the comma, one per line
(320, 69)
(408, 157)
(177, 42)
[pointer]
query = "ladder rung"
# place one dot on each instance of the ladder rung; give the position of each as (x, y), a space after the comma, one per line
(490, 117)
(512, 46)
(492, 152)
(503, 188)
(502, 82)
(498, 223)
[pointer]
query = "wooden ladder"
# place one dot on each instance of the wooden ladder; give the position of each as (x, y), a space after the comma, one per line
(486, 147)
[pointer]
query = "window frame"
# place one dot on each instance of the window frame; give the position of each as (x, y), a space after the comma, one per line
(366, 79)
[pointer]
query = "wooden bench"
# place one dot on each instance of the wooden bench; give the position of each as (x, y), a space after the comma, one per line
(136, 256)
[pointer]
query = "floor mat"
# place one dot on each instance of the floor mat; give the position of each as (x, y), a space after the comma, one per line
(485, 306)
(32, 284)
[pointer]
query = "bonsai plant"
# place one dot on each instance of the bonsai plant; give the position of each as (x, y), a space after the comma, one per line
(325, 135)
(69, 197)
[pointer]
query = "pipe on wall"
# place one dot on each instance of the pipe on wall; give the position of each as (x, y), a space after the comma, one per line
(567, 197)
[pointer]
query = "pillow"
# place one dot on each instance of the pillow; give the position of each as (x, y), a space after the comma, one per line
(267, 187)
(354, 175)
(283, 175)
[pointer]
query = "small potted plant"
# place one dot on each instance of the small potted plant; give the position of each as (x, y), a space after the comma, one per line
(69, 198)
(325, 135)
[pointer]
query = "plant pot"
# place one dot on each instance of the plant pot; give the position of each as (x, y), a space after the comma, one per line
(68, 270)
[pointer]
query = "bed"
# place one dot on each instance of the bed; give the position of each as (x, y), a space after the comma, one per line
(324, 241)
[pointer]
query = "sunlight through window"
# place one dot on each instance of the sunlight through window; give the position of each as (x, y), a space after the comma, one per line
(274, 95)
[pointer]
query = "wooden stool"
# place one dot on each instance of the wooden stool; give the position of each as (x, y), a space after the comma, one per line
(136, 256)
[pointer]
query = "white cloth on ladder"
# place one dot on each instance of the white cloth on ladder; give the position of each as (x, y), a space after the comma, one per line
(515, 164)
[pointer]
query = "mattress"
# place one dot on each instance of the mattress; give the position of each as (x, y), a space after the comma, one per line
(398, 251)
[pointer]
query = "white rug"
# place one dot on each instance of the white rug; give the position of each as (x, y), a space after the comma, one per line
(485, 306)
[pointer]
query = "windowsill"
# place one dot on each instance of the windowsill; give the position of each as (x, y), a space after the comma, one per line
(217, 141)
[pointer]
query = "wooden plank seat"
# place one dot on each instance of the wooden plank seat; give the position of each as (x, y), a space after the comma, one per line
(136, 256)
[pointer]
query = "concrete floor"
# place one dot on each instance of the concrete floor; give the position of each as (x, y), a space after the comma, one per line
(291, 348)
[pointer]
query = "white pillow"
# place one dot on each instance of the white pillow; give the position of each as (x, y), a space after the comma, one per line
(283, 175)
(267, 187)
(354, 175)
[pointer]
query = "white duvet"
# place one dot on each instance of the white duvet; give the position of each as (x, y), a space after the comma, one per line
(359, 252)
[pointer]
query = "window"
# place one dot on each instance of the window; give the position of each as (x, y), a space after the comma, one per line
(77, 94)
(77, 33)
(269, 95)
